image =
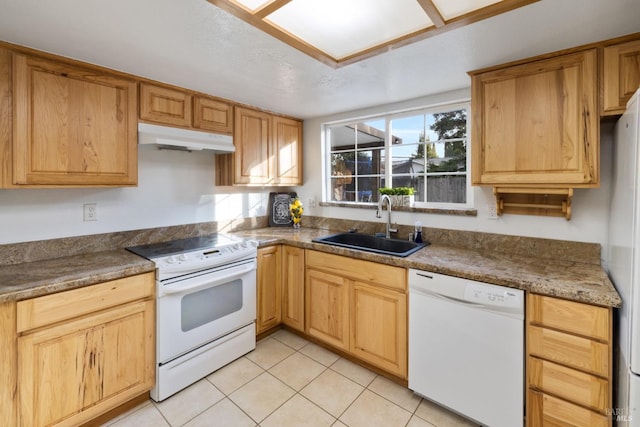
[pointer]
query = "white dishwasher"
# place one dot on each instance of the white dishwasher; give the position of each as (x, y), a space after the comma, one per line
(466, 347)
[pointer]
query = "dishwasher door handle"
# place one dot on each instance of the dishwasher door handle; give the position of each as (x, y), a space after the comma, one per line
(425, 292)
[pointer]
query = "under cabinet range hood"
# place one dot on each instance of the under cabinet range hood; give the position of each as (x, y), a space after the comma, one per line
(184, 139)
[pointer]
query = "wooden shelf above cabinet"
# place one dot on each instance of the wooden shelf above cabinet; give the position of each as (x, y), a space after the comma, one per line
(534, 201)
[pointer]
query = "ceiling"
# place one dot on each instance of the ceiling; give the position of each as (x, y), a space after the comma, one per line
(193, 44)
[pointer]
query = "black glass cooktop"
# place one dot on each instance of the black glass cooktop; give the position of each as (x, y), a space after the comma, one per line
(172, 247)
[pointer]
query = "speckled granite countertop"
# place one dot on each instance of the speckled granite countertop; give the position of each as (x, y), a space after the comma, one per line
(571, 280)
(578, 281)
(32, 279)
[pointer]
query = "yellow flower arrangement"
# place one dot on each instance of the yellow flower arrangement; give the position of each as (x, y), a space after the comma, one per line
(296, 210)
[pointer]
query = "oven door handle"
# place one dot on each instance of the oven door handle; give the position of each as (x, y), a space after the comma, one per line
(205, 281)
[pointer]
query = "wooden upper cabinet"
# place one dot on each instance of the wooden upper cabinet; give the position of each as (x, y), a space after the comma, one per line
(252, 161)
(537, 124)
(163, 105)
(175, 107)
(287, 149)
(268, 151)
(72, 125)
(209, 114)
(621, 76)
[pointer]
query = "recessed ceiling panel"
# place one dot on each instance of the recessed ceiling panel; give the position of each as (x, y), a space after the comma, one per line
(452, 9)
(341, 32)
(345, 27)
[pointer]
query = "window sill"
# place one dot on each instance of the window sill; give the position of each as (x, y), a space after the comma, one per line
(439, 211)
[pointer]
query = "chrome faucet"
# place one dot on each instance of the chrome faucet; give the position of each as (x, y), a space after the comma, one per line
(379, 215)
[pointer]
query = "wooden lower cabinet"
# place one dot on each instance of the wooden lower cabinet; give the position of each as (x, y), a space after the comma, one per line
(359, 307)
(327, 307)
(379, 327)
(280, 288)
(83, 352)
(569, 363)
(550, 411)
(268, 310)
(293, 287)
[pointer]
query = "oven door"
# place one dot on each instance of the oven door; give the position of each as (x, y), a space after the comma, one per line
(202, 307)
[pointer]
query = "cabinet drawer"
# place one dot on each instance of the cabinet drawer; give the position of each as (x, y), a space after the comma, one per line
(36, 312)
(367, 271)
(569, 316)
(574, 386)
(570, 350)
(548, 411)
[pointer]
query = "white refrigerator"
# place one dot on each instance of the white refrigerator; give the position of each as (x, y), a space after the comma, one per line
(624, 262)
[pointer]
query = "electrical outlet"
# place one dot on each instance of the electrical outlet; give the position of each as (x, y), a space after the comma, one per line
(312, 202)
(493, 212)
(90, 211)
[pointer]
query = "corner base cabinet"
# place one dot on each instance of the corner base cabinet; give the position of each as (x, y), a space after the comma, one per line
(569, 363)
(293, 287)
(268, 289)
(86, 351)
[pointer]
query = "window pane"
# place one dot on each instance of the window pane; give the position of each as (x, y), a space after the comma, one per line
(342, 137)
(368, 189)
(455, 163)
(447, 189)
(428, 154)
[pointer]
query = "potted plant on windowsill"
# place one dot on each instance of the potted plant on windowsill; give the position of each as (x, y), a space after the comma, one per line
(400, 196)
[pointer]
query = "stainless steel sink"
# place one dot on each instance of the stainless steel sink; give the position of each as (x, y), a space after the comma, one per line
(369, 243)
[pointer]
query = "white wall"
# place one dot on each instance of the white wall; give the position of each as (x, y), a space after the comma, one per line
(590, 206)
(174, 188)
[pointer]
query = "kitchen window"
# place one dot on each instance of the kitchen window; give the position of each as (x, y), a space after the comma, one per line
(426, 150)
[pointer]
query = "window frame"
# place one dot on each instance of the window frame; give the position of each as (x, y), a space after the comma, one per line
(388, 117)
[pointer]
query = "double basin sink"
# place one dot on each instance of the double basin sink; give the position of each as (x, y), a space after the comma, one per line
(369, 243)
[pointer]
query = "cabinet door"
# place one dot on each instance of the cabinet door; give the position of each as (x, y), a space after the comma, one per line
(621, 76)
(569, 384)
(73, 371)
(327, 308)
(287, 142)
(213, 115)
(293, 287)
(537, 123)
(72, 126)
(544, 411)
(379, 327)
(570, 316)
(252, 160)
(269, 288)
(164, 105)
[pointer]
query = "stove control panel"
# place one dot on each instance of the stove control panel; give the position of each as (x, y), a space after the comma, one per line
(205, 258)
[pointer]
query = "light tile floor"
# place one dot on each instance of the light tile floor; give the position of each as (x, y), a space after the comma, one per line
(289, 381)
